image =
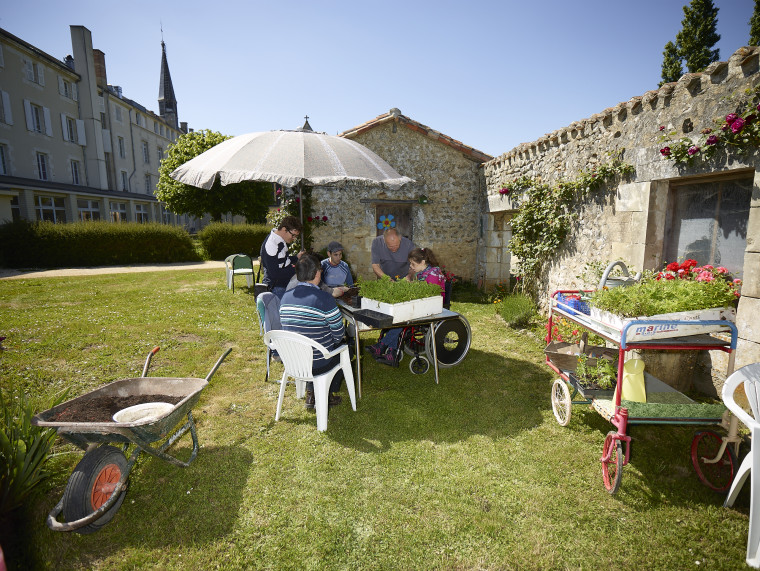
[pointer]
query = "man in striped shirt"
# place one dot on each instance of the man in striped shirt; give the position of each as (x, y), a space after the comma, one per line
(308, 310)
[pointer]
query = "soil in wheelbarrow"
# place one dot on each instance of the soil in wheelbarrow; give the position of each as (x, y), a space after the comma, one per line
(102, 409)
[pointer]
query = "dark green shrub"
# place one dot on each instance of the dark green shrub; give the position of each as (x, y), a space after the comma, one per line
(517, 310)
(220, 239)
(47, 245)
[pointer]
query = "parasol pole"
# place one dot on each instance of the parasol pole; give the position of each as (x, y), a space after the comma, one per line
(300, 209)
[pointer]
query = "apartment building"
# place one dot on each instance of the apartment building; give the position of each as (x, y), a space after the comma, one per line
(73, 147)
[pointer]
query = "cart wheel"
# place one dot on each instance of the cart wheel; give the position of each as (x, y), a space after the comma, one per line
(717, 476)
(452, 342)
(561, 402)
(612, 469)
(91, 484)
(419, 365)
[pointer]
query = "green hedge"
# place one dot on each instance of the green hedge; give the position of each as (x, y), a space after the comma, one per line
(47, 245)
(220, 239)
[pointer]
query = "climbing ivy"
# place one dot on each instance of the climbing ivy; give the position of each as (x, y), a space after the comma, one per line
(545, 215)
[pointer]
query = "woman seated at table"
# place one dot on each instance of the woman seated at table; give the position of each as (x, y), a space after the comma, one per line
(422, 261)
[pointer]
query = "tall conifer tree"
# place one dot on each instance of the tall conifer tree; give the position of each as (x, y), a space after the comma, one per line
(754, 26)
(698, 35)
(671, 64)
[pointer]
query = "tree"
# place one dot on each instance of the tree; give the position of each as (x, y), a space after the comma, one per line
(698, 35)
(250, 199)
(754, 26)
(671, 64)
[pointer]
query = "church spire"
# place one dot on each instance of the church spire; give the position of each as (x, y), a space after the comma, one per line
(167, 102)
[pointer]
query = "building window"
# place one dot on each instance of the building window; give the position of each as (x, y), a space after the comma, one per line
(141, 213)
(146, 154)
(117, 111)
(160, 154)
(155, 127)
(398, 216)
(4, 160)
(70, 134)
(118, 212)
(42, 166)
(15, 209)
(88, 209)
(5, 108)
(75, 172)
(67, 89)
(38, 118)
(148, 187)
(124, 181)
(708, 222)
(49, 208)
(34, 72)
(122, 148)
(162, 130)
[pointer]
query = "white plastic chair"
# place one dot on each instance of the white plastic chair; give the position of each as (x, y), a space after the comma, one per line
(268, 309)
(750, 376)
(238, 265)
(296, 352)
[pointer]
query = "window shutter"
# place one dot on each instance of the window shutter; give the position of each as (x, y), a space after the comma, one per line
(28, 113)
(2, 59)
(41, 71)
(65, 128)
(48, 122)
(7, 108)
(28, 70)
(74, 92)
(80, 133)
(61, 87)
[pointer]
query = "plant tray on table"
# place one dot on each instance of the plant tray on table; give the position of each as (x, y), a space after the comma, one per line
(595, 377)
(402, 299)
(681, 292)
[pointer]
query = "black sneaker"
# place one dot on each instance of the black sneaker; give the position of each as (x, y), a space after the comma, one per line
(333, 400)
(388, 358)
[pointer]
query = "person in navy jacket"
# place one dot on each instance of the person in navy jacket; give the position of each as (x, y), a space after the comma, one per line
(278, 264)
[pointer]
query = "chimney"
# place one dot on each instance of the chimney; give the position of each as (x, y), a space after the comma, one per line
(100, 68)
(183, 126)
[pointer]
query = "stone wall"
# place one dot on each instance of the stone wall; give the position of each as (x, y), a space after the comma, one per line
(452, 182)
(627, 221)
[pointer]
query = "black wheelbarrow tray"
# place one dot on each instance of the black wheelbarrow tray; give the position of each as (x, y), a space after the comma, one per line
(96, 488)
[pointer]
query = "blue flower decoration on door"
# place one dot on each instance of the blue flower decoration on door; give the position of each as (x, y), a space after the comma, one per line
(386, 222)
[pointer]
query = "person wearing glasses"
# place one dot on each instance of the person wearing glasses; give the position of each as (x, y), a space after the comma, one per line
(278, 265)
(336, 275)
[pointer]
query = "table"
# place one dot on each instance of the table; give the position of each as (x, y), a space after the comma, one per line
(434, 321)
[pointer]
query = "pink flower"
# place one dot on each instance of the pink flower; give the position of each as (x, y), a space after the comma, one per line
(731, 117)
(737, 281)
(309, 219)
(707, 267)
(711, 140)
(721, 270)
(665, 151)
(324, 219)
(681, 273)
(662, 127)
(693, 150)
(737, 125)
(705, 277)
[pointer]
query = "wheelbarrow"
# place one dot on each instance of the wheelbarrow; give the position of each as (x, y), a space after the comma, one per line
(97, 486)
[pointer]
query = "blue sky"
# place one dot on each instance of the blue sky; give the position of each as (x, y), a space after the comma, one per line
(492, 74)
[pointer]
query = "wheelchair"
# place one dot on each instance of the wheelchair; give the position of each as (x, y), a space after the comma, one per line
(452, 342)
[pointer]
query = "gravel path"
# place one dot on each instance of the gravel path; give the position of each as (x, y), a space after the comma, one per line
(9, 274)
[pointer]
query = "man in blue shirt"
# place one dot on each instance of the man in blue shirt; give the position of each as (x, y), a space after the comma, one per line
(278, 265)
(336, 274)
(390, 255)
(308, 310)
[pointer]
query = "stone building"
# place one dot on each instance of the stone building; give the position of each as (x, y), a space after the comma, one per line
(709, 211)
(442, 209)
(73, 147)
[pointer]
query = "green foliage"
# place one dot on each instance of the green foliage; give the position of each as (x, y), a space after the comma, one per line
(698, 35)
(671, 64)
(23, 448)
(292, 203)
(249, 199)
(48, 245)
(540, 226)
(387, 291)
(754, 26)
(499, 292)
(220, 239)
(603, 373)
(517, 310)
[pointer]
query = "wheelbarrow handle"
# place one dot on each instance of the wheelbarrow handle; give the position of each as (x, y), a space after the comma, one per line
(219, 362)
(147, 361)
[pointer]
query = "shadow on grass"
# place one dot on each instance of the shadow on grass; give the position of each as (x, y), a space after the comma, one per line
(486, 394)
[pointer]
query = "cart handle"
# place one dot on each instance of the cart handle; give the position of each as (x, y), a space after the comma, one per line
(216, 366)
(147, 361)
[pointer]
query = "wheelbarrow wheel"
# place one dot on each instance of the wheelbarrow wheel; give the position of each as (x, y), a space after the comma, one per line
(718, 475)
(419, 365)
(612, 468)
(91, 484)
(561, 402)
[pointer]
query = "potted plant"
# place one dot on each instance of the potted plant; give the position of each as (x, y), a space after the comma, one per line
(402, 299)
(596, 377)
(681, 292)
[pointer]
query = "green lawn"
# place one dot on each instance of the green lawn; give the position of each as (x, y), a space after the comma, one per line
(473, 473)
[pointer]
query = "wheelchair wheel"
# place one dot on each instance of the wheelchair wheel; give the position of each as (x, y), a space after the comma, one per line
(414, 341)
(419, 365)
(452, 342)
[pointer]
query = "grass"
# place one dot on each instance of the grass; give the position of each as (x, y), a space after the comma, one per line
(472, 473)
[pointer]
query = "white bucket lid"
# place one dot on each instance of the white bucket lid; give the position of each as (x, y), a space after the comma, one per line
(145, 411)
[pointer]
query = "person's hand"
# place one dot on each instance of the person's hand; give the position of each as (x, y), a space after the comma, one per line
(337, 292)
(301, 253)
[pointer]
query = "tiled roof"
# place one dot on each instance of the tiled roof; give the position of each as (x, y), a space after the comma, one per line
(394, 115)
